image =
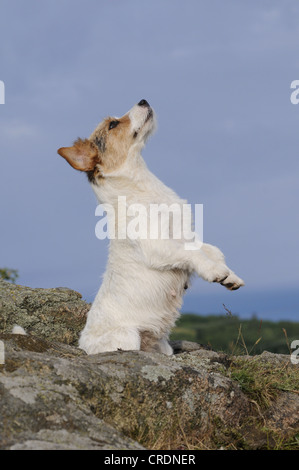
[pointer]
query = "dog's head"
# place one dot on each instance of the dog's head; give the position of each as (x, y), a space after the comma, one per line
(112, 143)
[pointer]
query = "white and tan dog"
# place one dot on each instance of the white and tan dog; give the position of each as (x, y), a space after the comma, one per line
(138, 302)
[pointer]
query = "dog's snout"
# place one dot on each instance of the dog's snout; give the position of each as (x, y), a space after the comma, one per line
(143, 103)
(142, 119)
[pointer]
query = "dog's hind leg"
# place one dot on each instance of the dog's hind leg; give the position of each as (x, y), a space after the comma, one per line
(164, 347)
(150, 343)
(118, 339)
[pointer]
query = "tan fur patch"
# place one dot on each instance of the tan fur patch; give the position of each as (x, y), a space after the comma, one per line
(113, 144)
(83, 155)
(148, 341)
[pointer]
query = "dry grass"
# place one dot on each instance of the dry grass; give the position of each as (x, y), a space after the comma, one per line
(262, 381)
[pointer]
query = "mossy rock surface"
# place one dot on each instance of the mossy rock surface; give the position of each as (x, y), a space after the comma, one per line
(54, 314)
(54, 396)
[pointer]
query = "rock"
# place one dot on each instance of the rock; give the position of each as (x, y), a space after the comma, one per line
(54, 314)
(41, 408)
(54, 396)
(284, 413)
(179, 346)
(50, 387)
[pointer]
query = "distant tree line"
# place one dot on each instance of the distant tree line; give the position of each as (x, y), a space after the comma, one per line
(9, 274)
(230, 334)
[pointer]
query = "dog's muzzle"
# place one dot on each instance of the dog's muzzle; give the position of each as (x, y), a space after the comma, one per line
(145, 104)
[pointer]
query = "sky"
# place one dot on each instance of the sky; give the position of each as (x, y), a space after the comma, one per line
(218, 75)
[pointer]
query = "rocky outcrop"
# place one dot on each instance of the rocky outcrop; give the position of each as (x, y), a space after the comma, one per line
(54, 396)
(55, 314)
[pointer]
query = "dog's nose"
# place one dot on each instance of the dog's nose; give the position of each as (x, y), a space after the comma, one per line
(143, 103)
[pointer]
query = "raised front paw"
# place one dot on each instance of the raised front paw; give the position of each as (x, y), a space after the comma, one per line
(216, 272)
(219, 272)
(232, 282)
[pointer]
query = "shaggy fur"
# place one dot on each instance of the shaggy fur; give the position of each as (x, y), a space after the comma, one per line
(142, 289)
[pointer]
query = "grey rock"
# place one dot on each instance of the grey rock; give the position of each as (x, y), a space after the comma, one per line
(53, 314)
(44, 388)
(54, 396)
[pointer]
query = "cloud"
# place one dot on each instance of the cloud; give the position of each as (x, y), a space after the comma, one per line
(182, 52)
(16, 129)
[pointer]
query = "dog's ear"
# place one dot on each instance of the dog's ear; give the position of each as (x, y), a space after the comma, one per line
(83, 155)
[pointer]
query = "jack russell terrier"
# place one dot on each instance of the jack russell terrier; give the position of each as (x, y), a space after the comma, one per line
(141, 294)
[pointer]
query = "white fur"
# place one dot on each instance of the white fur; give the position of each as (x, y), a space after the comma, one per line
(144, 281)
(18, 330)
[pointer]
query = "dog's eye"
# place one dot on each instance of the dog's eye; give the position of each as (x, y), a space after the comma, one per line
(113, 124)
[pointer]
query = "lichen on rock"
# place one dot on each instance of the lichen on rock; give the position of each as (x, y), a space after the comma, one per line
(54, 396)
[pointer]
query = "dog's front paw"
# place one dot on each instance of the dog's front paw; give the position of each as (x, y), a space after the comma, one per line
(232, 282)
(219, 272)
(216, 272)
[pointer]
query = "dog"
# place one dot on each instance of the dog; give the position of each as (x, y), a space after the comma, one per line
(139, 300)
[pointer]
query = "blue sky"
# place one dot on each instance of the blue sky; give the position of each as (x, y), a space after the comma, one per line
(218, 75)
